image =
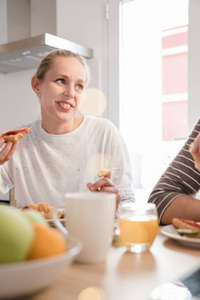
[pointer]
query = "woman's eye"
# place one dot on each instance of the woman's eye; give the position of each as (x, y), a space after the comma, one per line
(60, 80)
(80, 87)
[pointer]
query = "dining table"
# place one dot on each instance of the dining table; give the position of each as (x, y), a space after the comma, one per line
(125, 275)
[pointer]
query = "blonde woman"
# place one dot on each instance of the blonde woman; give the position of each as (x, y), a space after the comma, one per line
(63, 151)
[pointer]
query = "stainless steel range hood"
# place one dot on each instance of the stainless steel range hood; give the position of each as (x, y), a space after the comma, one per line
(27, 53)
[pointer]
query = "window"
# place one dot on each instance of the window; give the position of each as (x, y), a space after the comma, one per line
(153, 84)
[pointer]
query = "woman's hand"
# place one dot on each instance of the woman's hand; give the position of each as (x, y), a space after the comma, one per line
(105, 185)
(7, 152)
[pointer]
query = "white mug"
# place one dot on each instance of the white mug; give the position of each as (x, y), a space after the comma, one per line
(90, 217)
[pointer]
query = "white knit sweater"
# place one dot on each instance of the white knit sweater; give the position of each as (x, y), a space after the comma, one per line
(45, 166)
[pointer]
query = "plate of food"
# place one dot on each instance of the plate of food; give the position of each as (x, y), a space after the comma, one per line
(185, 231)
(61, 218)
(45, 209)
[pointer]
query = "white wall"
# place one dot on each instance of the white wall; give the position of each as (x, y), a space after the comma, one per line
(19, 103)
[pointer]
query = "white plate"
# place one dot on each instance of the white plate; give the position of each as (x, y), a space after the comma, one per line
(170, 231)
(24, 278)
(51, 222)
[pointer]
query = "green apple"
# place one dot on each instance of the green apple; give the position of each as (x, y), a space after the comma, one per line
(16, 235)
(34, 217)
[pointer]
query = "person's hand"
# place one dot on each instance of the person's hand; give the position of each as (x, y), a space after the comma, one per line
(195, 146)
(105, 185)
(7, 152)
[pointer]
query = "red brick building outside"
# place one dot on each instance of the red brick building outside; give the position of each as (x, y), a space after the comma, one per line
(174, 84)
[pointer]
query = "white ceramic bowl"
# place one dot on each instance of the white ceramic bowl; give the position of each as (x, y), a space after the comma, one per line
(23, 278)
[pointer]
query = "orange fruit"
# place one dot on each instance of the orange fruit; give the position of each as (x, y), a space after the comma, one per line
(48, 241)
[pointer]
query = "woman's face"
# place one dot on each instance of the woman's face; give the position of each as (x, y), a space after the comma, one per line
(62, 90)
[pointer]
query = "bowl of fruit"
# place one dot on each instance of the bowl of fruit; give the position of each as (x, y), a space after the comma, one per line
(32, 254)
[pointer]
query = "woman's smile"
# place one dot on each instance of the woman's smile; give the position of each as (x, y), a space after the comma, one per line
(65, 105)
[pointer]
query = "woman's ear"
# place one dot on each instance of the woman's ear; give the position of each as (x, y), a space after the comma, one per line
(35, 85)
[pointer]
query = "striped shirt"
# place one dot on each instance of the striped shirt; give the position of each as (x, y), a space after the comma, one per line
(180, 178)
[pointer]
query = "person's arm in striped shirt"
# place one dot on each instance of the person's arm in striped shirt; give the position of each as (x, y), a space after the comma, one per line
(174, 194)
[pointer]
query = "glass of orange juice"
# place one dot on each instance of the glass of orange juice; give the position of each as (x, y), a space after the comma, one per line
(138, 226)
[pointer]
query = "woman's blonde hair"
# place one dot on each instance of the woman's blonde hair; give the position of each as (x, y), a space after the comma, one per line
(50, 58)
